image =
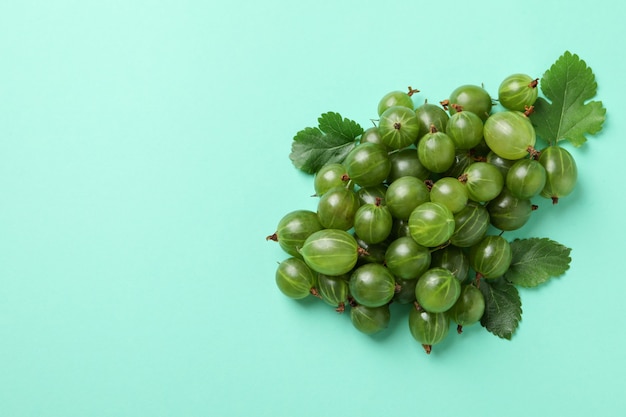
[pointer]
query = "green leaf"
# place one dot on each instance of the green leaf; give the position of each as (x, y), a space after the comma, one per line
(536, 260)
(569, 84)
(313, 147)
(503, 307)
(333, 123)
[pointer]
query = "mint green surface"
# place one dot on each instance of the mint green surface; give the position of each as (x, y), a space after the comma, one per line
(143, 160)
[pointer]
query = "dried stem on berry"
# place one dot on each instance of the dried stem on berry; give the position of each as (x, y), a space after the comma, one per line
(528, 110)
(534, 83)
(341, 308)
(433, 129)
(445, 104)
(352, 302)
(362, 252)
(273, 237)
(315, 293)
(457, 107)
(412, 91)
(479, 276)
(534, 153)
(427, 348)
(459, 329)
(429, 184)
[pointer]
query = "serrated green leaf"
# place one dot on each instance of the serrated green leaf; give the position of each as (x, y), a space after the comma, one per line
(536, 260)
(333, 123)
(503, 307)
(569, 84)
(313, 147)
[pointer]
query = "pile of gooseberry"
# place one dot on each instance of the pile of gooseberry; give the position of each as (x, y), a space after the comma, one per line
(416, 211)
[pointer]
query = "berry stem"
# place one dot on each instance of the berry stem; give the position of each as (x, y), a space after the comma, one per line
(315, 293)
(528, 110)
(433, 129)
(445, 103)
(427, 348)
(459, 329)
(412, 91)
(534, 83)
(534, 153)
(352, 302)
(273, 237)
(479, 276)
(341, 308)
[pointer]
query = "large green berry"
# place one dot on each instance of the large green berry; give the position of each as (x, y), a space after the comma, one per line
(561, 172)
(372, 285)
(294, 228)
(429, 116)
(491, 257)
(370, 320)
(526, 178)
(372, 194)
(437, 290)
(470, 98)
(406, 258)
(453, 259)
(368, 164)
(337, 208)
(510, 134)
(333, 290)
(470, 225)
(294, 278)
(372, 222)
(483, 181)
(405, 162)
(450, 192)
(330, 251)
(404, 195)
(428, 328)
(436, 151)
(398, 127)
(431, 224)
(330, 176)
(518, 92)
(507, 212)
(469, 307)
(395, 98)
(465, 129)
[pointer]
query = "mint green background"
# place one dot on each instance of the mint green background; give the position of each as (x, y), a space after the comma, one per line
(143, 160)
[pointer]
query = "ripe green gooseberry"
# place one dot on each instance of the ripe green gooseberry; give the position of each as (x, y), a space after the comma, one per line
(330, 251)
(561, 172)
(518, 92)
